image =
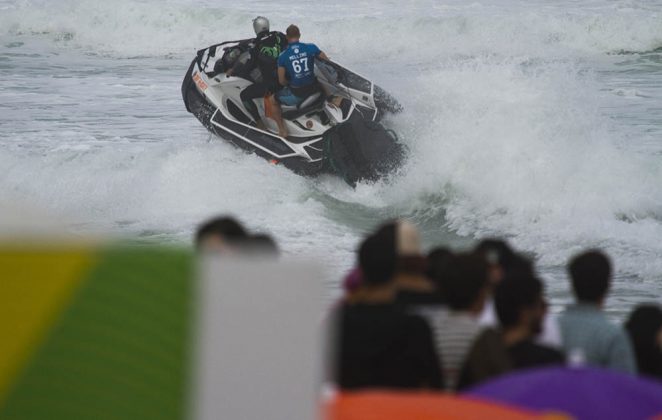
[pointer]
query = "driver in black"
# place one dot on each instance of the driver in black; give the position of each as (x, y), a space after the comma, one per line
(266, 48)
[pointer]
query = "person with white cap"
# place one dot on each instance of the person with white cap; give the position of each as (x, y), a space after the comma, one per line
(415, 289)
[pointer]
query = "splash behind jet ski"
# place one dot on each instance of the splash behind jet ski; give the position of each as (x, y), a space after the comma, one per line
(341, 137)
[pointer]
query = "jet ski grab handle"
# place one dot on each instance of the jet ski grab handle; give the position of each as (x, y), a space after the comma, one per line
(212, 50)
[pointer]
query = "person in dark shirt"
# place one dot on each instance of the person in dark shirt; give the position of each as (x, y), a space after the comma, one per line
(644, 326)
(521, 308)
(378, 345)
(266, 47)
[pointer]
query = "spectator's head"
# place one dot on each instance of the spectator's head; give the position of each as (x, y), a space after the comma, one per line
(520, 265)
(502, 260)
(292, 33)
(408, 247)
(466, 285)
(377, 258)
(645, 330)
(261, 245)
(496, 251)
(590, 273)
(520, 304)
(219, 235)
(438, 260)
(410, 259)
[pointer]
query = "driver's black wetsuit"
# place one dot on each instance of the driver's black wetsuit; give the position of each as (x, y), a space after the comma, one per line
(263, 55)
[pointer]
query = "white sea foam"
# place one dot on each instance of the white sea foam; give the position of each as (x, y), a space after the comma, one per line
(371, 30)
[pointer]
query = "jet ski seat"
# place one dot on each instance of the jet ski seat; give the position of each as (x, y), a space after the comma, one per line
(310, 103)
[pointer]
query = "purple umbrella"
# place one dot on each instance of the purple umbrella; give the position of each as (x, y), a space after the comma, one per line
(586, 393)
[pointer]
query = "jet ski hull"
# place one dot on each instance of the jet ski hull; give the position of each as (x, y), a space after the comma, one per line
(356, 149)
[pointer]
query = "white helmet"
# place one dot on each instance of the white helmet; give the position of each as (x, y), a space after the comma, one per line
(260, 24)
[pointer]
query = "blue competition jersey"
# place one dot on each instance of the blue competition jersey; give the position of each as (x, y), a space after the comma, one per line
(299, 62)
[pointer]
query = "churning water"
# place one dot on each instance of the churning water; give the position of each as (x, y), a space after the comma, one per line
(538, 121)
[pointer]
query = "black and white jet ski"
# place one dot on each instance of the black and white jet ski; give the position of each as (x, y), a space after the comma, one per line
(342, 137)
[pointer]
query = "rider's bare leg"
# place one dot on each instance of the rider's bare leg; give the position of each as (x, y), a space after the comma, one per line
(277, 115)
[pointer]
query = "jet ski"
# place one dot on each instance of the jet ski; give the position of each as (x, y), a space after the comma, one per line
(342, 136)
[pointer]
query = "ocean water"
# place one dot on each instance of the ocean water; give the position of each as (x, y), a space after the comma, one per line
(537, 121)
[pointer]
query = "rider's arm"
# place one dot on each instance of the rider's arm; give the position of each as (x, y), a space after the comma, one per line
(281, 76)
(323, 56)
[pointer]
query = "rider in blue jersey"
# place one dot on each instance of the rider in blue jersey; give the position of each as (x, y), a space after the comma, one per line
(296, 73)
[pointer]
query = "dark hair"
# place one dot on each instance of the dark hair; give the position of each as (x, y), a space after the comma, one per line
(519, 265)
(466, 277)
(377, 257)
(262, 245)
(497, 251)
(590, 274)
(514, 294)
(226, 227)
(438, 260)
(643, 326)
(293, 31)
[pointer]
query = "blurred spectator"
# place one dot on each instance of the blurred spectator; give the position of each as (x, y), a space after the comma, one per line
(414, 288)
(645, 330)
(499, 256)
(220, 235)
(469, 352)
(378, 345)
(352, 286)
(521, 308)
(225, 235)
(438, 260)
(587, 335)
(261, 245)
(503, 261)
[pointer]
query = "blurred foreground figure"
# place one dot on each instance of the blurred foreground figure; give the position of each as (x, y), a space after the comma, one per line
(500, 258)
(221, 234)
(377, 345)
(438, 259)
(414, 288)
(352, 286)
(588, 336)
(521, 309)
(504, 262)
(645, 330)
(469, 351)
(226, 236)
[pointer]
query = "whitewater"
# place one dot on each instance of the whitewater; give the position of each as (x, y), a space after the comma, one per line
(537, 121)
